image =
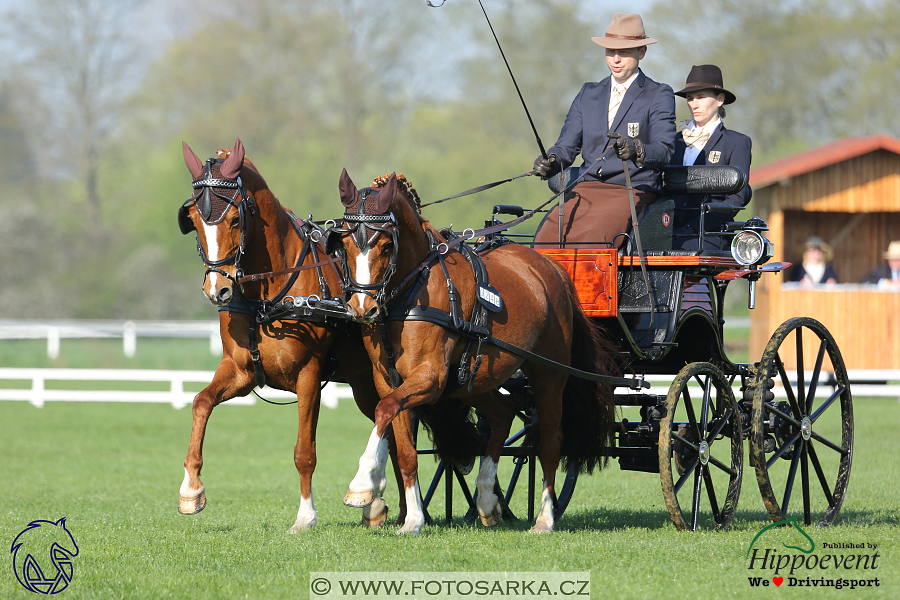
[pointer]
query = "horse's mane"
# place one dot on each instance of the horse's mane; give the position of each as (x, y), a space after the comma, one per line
(411, 196)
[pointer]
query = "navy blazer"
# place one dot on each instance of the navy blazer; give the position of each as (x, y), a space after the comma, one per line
(727, 147)
(647, 113)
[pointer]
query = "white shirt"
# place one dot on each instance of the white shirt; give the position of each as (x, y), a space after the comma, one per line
(612, 90)
(692, 152)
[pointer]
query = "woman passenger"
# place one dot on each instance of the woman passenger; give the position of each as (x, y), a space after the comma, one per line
(704, 140)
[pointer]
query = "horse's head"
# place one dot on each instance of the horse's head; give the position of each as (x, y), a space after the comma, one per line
(218, 211)
(381, 236)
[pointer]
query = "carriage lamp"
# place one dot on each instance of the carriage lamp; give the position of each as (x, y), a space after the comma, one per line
(749, 247)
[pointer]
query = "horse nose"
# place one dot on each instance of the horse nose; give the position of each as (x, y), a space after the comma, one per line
(224, 295)
(371, 314)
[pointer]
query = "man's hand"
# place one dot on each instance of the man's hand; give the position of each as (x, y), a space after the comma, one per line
(628, 149)
(545, 166)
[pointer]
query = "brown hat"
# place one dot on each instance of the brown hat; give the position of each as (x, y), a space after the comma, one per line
(893, 251)
(625, 31)
(705, 77)
(817, 242)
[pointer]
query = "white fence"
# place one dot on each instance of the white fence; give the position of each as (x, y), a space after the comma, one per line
(127, 331)
(62, 389)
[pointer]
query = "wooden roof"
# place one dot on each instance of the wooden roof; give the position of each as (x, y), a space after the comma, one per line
(818, 158)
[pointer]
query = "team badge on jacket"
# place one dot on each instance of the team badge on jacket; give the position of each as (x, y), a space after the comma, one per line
(714, 156)
(633, 129)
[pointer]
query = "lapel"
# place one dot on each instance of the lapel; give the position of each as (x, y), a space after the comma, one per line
(711, 147)
(680, 147)
(603, 91)
(634, 90)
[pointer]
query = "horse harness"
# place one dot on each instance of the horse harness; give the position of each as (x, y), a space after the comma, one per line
(397, 306)
(213, 203)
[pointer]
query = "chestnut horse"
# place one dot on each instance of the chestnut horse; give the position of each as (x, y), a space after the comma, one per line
(385, 246)
(242, 228)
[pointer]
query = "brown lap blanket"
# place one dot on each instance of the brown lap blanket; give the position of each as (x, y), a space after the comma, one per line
(595, 212)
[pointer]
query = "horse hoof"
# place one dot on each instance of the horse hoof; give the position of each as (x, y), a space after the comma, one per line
(359, 499)
(493, 518)
(540, 527)
(298, 527)
(465, 468)
(372, 520)
(191, 505)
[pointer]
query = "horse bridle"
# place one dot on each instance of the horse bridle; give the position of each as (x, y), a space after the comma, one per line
(202, 199)
(357, 224)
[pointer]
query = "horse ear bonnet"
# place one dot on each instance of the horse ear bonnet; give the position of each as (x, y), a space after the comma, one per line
(213, 202)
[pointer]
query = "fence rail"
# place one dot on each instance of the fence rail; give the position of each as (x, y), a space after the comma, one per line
(38, 393)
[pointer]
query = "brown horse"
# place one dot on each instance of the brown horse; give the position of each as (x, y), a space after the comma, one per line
(242, 228)
(385, 242)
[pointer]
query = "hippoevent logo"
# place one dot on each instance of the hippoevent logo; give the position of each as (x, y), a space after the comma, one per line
(798, 564)
(42, 556)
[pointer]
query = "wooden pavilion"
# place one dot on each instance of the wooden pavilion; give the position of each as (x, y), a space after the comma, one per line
(847, 193)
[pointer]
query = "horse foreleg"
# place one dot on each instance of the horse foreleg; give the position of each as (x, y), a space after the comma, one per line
(227, 383)
(548, 399)
(369, 482)
(305, 450)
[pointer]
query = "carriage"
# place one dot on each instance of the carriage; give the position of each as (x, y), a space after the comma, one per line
(693, 433)
(662, 308)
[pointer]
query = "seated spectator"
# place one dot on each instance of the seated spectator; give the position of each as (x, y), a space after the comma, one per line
(814, 270)
(887, 273)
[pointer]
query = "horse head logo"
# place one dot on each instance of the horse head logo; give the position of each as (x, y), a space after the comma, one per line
(793, 522)
(40, 545)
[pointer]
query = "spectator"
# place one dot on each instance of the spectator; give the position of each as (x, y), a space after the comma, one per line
(815, 269)
(887, 273)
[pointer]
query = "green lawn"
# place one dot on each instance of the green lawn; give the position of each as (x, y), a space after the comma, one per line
(113, 470)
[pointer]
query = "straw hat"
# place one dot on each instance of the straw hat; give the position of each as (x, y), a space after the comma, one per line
(816, 242)
(893, 251)
(625, 31)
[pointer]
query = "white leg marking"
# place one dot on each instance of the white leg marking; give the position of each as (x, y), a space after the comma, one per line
(186, 490)
(488, 502)
(415, 514)
(306, 515)
(370, 476)
(363, 276)
(544, 522)
(210, 233)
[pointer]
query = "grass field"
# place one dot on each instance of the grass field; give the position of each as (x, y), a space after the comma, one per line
(113, 470)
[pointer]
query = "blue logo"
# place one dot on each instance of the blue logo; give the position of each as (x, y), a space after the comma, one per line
(42, 556)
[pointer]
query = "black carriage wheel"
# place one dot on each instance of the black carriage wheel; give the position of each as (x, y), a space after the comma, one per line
(808, 430)
(701, 450)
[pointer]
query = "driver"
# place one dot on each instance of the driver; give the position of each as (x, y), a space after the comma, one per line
(626, 116)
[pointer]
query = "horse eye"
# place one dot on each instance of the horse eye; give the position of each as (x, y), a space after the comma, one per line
(236, 220)
(387, 247)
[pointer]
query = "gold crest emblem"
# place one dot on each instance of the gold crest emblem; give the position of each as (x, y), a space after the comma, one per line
(634, 129)
(714, 156)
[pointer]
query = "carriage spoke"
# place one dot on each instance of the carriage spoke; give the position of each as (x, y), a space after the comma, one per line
(824, 406)
(695, 500)
(704, 414)
(788, 389)
(801, 384)
(711, 492)
(687, 473)
(686, 442)
(774, 409)
(784, 448)
(821, 474)
(722, 466)
(719, 426)
(814, 381)
(789, 485)
(689, 407)
(804, 479)
(828, 443)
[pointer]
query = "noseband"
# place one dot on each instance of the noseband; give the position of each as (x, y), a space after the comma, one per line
(358, 224)
(203, 199)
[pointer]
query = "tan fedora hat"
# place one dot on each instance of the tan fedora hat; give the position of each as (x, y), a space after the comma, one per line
(625, 31)
(893, 251)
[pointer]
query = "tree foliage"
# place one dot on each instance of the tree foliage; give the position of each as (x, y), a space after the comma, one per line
(315, 86)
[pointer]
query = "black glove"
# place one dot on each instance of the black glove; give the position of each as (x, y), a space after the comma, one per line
(628, 149)
(546, 166)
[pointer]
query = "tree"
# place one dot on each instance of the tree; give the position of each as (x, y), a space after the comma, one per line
(75, 59)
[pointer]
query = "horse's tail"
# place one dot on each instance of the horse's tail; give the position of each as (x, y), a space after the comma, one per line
(588, 419)
(451, 427)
